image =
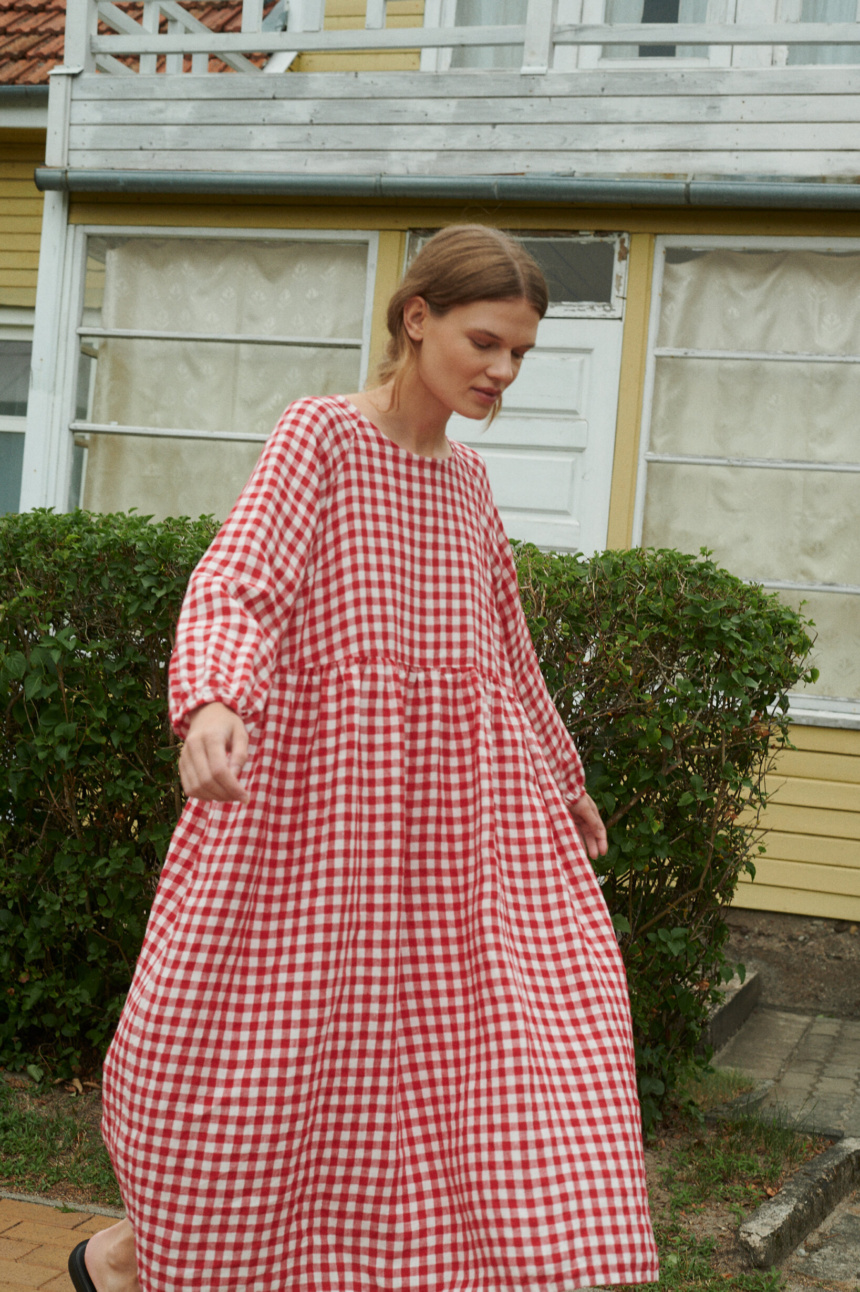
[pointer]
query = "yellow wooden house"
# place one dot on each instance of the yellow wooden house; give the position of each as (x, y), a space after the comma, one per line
(226, 213)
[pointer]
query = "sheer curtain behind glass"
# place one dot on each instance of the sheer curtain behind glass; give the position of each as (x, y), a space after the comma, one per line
(624, 11)
(826, 11)
(799, 525)
(489, 13)
(312, 290)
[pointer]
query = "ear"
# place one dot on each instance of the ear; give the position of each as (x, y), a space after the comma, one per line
(415, 313)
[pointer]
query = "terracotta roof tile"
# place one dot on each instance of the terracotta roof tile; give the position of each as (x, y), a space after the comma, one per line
(32, 31)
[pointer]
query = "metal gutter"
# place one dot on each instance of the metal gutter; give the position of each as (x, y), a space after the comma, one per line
(24, 95)
(776, 193)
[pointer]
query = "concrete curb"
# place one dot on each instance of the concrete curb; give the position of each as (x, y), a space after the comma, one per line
(727, 1017)
(783, 1222)
(90, 1208)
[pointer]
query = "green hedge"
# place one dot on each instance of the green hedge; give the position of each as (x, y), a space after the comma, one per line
(88, 787)
(670, 673)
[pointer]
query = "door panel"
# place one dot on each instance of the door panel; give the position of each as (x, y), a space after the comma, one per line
(549, 453)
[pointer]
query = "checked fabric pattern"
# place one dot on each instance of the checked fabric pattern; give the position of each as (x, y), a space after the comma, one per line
(378, 1038)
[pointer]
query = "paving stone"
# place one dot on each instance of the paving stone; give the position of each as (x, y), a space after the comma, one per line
(10, 1250)
(93, 1224)
(53, 1236)
(62, 1283)
(34, 1211)
(54, 1258)
(28, 1276)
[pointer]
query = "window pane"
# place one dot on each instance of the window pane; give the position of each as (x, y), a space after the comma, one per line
(14, 378)
(213, 386)
(618, 12)
(11, 463)
(166, 477)
(489, 13)
(757, 409)
(575, 271)
(802, 526)
(835, 652)
(308, 289)
(826, 11)
(772, 525)
(800, 302)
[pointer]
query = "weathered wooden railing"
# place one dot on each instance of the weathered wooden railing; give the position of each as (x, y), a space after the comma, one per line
(292, 27)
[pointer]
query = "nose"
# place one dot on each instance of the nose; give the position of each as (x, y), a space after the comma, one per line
(502, 367)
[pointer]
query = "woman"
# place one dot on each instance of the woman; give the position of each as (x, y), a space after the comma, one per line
(378, 1035)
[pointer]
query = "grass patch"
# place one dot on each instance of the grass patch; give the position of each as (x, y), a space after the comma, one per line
(705, 1177)
(50, 1145)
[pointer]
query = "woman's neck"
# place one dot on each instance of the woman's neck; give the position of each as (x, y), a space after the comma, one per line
(414, 423)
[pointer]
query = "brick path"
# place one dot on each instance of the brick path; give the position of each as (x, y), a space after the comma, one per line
(35, 1242)
(814, 1064)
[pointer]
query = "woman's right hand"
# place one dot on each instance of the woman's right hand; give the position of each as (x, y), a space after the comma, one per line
(215, 751)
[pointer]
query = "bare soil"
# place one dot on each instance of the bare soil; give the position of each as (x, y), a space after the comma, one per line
(807, 966)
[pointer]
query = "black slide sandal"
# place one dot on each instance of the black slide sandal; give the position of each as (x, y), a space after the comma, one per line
(78, 1271)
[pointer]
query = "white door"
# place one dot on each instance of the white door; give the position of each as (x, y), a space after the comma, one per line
(549, 453)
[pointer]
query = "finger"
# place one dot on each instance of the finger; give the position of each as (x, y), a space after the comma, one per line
(238, 747)
(207, 774)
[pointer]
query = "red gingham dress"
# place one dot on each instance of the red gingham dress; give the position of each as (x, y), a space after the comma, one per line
(378, 1038)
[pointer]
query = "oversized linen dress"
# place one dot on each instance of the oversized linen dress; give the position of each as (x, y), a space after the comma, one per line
(378, 1036)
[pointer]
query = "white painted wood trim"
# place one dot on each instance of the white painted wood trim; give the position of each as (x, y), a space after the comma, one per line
(367, 321)
(59, 294)
(788, 585)
(59, 115)
(774, 356)
(81, 24)
(538, 43)
(164, 432)
(375, 15)
(197, 232)
(648, 391)
(147, 45)
(765, 464)
(226, 338)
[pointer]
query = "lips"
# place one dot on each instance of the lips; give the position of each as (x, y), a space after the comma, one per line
(487, 393)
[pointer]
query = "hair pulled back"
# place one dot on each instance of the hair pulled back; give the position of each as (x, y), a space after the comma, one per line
(458, 266)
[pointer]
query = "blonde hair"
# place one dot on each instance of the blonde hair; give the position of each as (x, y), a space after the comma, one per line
(458, 266)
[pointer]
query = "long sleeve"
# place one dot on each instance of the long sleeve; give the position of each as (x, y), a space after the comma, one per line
(240, 594)
(553, 737)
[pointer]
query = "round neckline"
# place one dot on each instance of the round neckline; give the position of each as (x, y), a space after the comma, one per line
(398, 448)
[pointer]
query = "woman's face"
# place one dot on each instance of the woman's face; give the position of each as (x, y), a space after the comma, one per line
(469, 356)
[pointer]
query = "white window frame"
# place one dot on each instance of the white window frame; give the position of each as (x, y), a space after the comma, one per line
(69, 301)
(612, 309)
(16, 324)
(829, 711)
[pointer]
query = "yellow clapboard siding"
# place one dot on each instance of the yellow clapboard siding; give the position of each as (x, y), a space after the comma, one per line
(358, 8)
(19, 242)
(811, 764)
(349, 15)
(18, 297)
(401, 61)
(829, 740)
(800, 791)
(796, 901)
(804, 820)
(12, 260)
(634, 356)
(345, 213)
(813, 849)
(389, 266)
(20, 217)
(17, 277)
(840, 881)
